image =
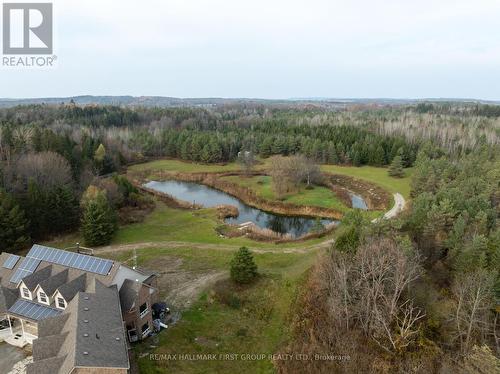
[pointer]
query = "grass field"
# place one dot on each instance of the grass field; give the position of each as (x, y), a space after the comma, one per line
(372, 174)
(375, 175)
(228, 319)
(318, 196)
(183, 166)
(167, 224)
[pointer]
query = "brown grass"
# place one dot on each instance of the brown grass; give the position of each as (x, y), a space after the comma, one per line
(376, 198)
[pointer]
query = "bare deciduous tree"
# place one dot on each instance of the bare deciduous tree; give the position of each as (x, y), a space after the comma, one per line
(290, 172)
(369, 290)
(474, 301)
(47, 169)
(247, 161)
(280, 176)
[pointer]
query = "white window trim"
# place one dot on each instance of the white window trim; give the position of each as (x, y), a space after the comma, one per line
(57, 298)
(23, 288)
(39, 297)
(145, 311)
(57, 295)
(146, 332)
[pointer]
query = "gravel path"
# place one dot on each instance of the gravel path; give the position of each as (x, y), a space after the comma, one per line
(398, 207)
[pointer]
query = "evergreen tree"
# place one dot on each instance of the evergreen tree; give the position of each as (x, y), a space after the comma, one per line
(35, 208)
(13, 225)
(243, 267)
(99, 221)
(63, 209)
(396, 168)
(378, 156)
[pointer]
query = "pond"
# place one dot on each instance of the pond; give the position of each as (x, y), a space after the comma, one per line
(358, 202)
(210, 197)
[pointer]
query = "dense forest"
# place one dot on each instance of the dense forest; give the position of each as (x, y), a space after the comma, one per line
(419, 294)
(50, 154)
(415, 294)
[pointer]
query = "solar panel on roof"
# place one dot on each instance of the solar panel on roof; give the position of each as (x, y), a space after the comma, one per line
(27, 266)
(75, 260)
(33, 311)
(11, 261)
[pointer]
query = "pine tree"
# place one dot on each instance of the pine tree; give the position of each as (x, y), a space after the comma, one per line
(243, 267)
(63, 209)
(35, 207)
(378, 156)
(99, 221)
(396, 168)
(13, 225)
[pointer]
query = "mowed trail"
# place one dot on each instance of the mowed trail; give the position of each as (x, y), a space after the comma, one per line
(204, 246)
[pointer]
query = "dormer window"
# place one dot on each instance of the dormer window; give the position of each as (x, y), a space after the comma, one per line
(42, 297)
(60, 303)
(25, 293)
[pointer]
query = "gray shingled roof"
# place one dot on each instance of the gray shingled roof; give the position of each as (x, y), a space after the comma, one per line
(128, 294)
(49, 285)
(32, 280)
(92, 334)
(70, 289)
(7, 299)
(50, 365)
(106, 345)
(49, 346)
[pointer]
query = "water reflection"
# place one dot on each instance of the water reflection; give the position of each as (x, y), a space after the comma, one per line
(209, 197)
(358, 202)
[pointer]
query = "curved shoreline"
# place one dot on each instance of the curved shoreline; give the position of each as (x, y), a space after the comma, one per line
(249, 197)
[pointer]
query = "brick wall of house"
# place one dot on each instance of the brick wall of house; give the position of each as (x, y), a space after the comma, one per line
(133, 317)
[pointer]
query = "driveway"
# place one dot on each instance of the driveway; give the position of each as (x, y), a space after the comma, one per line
(9, 356)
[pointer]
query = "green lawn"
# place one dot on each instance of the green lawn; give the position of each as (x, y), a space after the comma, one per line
(372, 174)
(168, 224)
(172, 165)
(318, 196)
(375, 175)
(248, 320)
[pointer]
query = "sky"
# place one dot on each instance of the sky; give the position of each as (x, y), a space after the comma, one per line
(274, 49)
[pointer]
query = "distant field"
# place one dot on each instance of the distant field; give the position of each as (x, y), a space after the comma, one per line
(318, 196)
(375, 175)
